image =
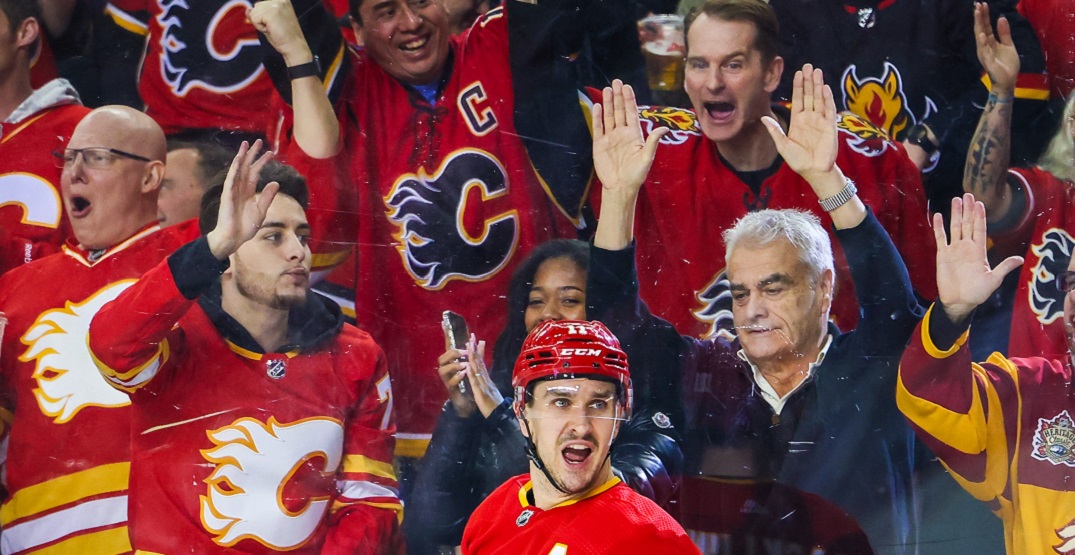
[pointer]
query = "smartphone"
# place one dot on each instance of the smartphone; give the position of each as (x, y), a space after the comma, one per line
(455, 331)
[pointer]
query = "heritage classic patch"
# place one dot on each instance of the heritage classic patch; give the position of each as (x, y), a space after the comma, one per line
(1054, 440)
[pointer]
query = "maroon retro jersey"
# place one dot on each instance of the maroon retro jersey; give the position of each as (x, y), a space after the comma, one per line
(691, 196)
(67, 430)
(443, 203)
(1004, 429)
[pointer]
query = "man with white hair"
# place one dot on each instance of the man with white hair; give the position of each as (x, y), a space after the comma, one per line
(792, 401)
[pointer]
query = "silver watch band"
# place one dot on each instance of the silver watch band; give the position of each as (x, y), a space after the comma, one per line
(841, 198)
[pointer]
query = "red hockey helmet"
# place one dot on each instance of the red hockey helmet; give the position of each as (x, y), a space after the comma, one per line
(565, 349)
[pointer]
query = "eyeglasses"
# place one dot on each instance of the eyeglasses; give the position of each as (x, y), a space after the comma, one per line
(95, 157)
(1065, 281)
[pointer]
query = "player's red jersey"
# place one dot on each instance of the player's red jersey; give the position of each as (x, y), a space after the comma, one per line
(1054, 23)
(1045, 237)
(236, 451)
(32, 222)
(611, 518)
(446, 203)
(202, 66)
(67, 438)
(1003, 428)
(691, 196)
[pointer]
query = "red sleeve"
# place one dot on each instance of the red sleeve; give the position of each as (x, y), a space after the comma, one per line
(366, 515)
(333, 209)
(134, 336)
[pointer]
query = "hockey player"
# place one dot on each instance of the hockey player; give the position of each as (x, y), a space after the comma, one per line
(719, 163)
(260, 421)
(1003, 427)
(66, 431)
(33, 124)
(1031, 210)
(439, 193)
(572, 393)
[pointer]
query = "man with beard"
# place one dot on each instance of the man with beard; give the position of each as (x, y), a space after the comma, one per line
(261, 422)
(572, 393)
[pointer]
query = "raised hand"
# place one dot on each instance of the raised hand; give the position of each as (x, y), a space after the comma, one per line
(242, 209)
(621, 157)
(999, 58)
(810, 145)
(964, 278)
(276, 20)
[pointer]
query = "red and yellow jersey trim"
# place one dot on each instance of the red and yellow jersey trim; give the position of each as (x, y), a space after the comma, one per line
(1028, 86)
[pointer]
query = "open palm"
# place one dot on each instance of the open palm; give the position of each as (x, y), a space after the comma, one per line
(621, 157)
(810, 145)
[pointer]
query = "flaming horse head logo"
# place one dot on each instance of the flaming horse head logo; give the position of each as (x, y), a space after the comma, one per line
(881, 101)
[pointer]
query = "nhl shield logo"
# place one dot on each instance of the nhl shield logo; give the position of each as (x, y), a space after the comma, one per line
(276, 368)
(1054, 440)
(524, 517)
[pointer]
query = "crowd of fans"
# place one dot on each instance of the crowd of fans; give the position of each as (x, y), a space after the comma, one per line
(252, 253)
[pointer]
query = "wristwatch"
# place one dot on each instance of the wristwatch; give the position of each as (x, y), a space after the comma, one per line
(841, 198)
(311, 68)
(919, 135)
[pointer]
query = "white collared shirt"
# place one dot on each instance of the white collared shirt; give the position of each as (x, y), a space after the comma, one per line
(768, 392)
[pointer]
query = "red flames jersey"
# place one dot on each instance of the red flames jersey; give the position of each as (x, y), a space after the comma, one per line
(202, 66)
(241, 452)
(1046, 239)
(610, 519)
(32, 222)
(691, 197)
(1054, 22)
(67, 450)
(446, 203)
(1005, 431)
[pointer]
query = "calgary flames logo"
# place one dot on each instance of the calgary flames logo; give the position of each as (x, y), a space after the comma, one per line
(1054, 252)
(216, 50)
(67, 378)
(1067, 539)
(253, 464)
(716, 310)
(431, 216)
(682, 123)
(881, 101)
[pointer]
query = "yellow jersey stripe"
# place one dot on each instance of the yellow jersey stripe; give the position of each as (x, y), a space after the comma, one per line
(359, 464)
(113, 540)
(60, 491)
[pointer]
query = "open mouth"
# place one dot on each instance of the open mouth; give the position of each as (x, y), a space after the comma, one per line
(719, 110)
(576, 454)
(80, 206)
(414, 45)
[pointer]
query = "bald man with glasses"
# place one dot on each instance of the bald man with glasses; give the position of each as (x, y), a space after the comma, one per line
(68, 456)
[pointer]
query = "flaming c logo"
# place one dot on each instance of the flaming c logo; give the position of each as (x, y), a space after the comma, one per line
(881, 100)
(253, 462)
(67, 378)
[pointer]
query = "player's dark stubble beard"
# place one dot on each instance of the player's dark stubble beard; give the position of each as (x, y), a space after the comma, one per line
(256, 292)
(532, 454)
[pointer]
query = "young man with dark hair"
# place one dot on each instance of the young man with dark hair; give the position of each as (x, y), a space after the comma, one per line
(33, 124)
(67, 433)
(192, 167)
(573, 392)
(260, 421)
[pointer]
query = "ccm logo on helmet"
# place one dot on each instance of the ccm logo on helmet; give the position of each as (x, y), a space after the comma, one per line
(581, 352)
